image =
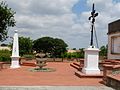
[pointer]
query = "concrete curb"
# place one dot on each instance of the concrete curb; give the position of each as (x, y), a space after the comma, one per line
(55, 88)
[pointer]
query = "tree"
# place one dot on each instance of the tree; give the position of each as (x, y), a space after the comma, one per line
(6, 20)
(55, 47)
(25, 45)
(74, 49)
(4, 44)
(58, 48)
(43, 44)
(81, 52)
(103, 51)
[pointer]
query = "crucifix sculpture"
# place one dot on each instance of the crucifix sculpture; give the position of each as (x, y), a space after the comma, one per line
(92, 18)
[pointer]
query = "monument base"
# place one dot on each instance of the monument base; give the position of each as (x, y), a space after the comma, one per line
(15, 62)
(91, 61)
(91, 71)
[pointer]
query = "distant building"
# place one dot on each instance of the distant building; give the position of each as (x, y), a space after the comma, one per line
(114, 40)
(5, 48)
(72, 51)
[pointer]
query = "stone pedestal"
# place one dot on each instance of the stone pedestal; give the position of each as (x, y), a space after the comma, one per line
(91, 61)
(15, 62)
(15, 52)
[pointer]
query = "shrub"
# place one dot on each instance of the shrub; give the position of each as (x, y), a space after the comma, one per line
(73, 55)
(28, 56)
(5, 55)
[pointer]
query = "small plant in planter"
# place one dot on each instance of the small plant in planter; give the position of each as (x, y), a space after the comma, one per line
(28, 57)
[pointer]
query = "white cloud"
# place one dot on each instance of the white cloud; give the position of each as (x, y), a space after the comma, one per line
(50, 7)
(37, 18)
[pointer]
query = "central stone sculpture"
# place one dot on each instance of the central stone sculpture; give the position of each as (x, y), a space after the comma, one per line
(40, 61)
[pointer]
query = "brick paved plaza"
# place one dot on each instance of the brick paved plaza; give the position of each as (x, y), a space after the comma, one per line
(64, 75)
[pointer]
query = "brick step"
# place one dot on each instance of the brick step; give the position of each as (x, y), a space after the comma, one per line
(28, 64)
(75, 66)
(82, 75)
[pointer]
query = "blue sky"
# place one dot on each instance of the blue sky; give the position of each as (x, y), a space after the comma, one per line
(65, 19)
(80, 6)
(117, 1)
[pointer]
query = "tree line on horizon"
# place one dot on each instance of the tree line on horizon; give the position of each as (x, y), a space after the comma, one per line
(52, 47)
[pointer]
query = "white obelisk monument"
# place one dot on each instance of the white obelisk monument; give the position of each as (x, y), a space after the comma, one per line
(15, 52)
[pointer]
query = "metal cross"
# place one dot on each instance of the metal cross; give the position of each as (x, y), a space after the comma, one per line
(92, 18)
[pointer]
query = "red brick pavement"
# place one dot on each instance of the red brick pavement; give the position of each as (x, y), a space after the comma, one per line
(64, 75)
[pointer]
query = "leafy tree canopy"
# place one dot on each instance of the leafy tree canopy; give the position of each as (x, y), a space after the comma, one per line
(25, 45)
(103, 50)
(54, 46)
(6, 20)
(4, 44)
(74, 49)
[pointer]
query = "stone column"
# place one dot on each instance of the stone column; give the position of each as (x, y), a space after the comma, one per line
(91, 61)
(15, 52)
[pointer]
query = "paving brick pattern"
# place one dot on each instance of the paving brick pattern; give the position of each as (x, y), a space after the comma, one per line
(63, 76)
